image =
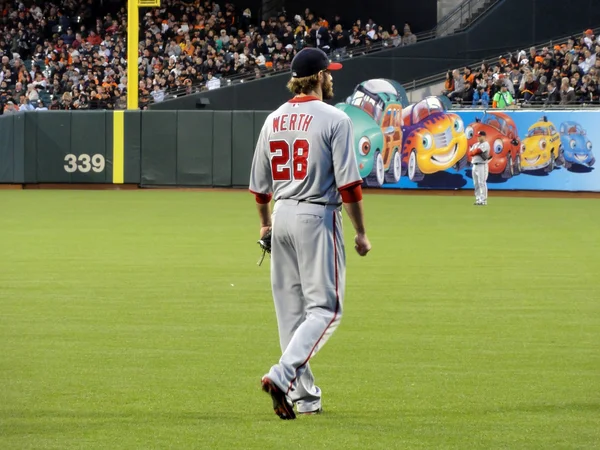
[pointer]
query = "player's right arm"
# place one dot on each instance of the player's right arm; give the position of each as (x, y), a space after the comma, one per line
(261, 180)
(349, 181)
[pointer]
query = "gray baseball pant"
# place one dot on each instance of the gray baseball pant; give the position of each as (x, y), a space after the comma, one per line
(480, 175)
(308, 274)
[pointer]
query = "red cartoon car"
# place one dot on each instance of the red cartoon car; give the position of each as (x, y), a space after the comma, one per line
(503, 138)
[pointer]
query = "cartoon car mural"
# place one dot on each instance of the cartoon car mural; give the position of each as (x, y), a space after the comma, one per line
(375, 108)
(541, 148)
(577, 148)
(503, 138)
(434, 140)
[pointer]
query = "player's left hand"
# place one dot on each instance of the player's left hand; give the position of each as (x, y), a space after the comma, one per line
(264, 242)
(363, 246)
(263, 231)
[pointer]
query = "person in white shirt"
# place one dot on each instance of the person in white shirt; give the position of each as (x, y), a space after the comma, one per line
(158, 94)
(212, 82)
(39, 106)
(25, 105)
(480, 154)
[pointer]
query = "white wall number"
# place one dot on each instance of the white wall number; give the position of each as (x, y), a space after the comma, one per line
(84, 163)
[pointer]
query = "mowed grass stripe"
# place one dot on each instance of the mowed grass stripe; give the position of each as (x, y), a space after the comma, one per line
(141, 320)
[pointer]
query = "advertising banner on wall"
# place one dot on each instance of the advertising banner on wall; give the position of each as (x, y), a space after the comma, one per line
(424, 145)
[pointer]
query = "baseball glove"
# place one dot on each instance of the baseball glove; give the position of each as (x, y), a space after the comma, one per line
(265, 245)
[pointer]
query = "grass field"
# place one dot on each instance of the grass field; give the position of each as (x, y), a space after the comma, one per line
(140, 320)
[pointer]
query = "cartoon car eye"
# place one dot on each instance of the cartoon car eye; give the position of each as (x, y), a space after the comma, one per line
(458, 125)
(469, 132)
(573, 144)
(364, 145)
(522, 148)
(427, 141)
(543, 144)
(589, 145)
(498, 145)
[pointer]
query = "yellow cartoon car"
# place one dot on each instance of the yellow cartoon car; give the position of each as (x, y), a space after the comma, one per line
(541, 148)
(434, 140)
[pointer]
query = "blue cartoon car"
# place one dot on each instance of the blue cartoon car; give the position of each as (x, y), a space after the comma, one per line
(577, 147)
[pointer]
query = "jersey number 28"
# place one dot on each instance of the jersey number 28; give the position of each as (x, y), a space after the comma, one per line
(280, 159)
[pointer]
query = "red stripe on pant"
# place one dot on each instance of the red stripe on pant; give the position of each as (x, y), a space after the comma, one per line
(337, 303)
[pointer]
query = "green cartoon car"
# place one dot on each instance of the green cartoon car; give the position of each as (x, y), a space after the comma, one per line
(375, 108)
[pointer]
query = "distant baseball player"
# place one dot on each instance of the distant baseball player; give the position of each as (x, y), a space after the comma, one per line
(304, 159)
(480, 154)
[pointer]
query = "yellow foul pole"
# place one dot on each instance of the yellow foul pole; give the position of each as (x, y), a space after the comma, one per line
(133, 23)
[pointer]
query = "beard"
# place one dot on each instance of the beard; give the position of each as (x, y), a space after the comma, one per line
(327, 88)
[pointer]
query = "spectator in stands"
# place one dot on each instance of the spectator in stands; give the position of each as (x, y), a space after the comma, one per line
(448, 84)
(468, 75)
(459, 85)
(468, 94)
(588, 61)
(481, 97)
(594, 97)
(39, 106)
(408, 38)
(529, 88)
(567, 93)
(340, 38)
(542, 88)
(516, 76)
(25, 104)
(503, 99)
(11, 108)
(158, 94)
(553, 97)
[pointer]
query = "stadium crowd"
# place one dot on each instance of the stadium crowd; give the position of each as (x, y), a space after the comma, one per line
(71, 54)
(566, 74)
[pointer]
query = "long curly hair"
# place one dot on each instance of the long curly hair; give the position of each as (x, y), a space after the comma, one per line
(304, 85)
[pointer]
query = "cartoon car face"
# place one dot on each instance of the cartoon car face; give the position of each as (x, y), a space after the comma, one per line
(375, 109)
(434, 140)
(503, 139)
(541, 148)
(577, 148)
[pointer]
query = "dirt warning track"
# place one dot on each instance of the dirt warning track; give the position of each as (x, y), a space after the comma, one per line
(426, 192)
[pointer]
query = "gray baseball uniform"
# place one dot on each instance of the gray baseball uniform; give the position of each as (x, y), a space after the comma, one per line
(480, 172)
(304, 155)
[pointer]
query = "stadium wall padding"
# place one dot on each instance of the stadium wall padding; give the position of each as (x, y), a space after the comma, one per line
(18, 149)
(7, 149)
(30, 147)
(159, 140)
(133, 146)
(222, 148)
(215, 149)
(194, 149)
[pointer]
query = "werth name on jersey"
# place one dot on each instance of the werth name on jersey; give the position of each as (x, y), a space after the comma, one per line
(292, 122)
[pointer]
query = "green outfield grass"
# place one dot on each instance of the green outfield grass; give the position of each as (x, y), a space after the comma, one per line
(140, 320)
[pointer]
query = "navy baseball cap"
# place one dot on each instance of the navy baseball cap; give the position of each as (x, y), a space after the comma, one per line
(310, 61)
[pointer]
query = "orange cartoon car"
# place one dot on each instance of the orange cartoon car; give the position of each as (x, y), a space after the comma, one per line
(503, 138)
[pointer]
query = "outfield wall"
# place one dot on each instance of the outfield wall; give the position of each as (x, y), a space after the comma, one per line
(215, 148)
(150, 148)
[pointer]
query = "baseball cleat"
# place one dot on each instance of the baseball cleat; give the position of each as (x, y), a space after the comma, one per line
(311, 413)
(281, 406)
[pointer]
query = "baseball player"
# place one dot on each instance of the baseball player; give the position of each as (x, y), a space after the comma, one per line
(480, 154)
(304, 160)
